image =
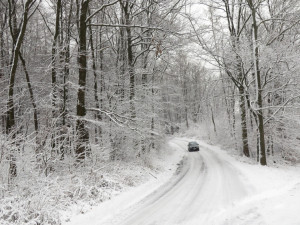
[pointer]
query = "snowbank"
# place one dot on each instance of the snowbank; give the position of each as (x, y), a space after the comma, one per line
(273, 199)
(167, 162)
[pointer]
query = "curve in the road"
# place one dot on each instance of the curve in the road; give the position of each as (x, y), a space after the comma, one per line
(206, 185)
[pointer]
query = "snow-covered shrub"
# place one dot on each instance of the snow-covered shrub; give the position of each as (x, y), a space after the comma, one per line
(36, 197)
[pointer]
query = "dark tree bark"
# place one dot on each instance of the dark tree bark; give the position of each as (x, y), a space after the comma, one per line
(54, 61)
(83, 134)
(98, 115)
(235, 31)
(65, 57)
(3, 20)
(185, 94)
(263, 159)
(213, 119)
(127, 7)
(67, 64)
(35, 114)
(121, 58)
(55, 45)
(244, 121)
(18, 37)
(3, 54)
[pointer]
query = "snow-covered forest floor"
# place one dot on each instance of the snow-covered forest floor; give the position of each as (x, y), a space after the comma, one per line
(66, 191)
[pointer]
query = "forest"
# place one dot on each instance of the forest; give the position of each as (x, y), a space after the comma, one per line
(86, 82)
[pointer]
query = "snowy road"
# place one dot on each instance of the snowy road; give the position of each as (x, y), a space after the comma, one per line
(205, 186)
(210, 188)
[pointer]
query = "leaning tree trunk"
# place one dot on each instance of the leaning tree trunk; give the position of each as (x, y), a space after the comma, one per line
(12, 76)
(30, 89)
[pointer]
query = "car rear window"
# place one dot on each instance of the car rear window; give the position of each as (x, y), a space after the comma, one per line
(193, 144)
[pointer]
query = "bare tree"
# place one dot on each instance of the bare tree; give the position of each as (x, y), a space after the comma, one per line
(83, 134)
(18, 37)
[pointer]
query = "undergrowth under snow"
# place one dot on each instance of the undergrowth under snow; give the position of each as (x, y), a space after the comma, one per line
(34, 198)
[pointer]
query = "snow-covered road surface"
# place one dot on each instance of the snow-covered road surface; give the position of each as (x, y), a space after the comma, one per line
(205, 185)
(209, 188)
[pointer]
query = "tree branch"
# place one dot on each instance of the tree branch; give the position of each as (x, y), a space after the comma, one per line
(100, 9)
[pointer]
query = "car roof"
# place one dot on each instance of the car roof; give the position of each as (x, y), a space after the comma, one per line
(193, 143)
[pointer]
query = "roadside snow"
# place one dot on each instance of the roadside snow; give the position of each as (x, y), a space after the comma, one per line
(273, 199)
(109, 209)
(272, 193)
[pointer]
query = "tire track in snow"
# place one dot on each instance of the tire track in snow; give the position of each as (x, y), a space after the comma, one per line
(206, 185)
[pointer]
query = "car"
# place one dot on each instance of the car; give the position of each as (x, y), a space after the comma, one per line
(193, 146)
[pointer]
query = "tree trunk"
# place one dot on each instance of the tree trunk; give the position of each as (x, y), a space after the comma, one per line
(240, 77)
(263, 160)
(35, 117)
(98, 115)
(55, 46)
(18, 38)
(82, 132)
(130, 56)
(244, 122)
(54, 62)
(213, 120)
(2, 53)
